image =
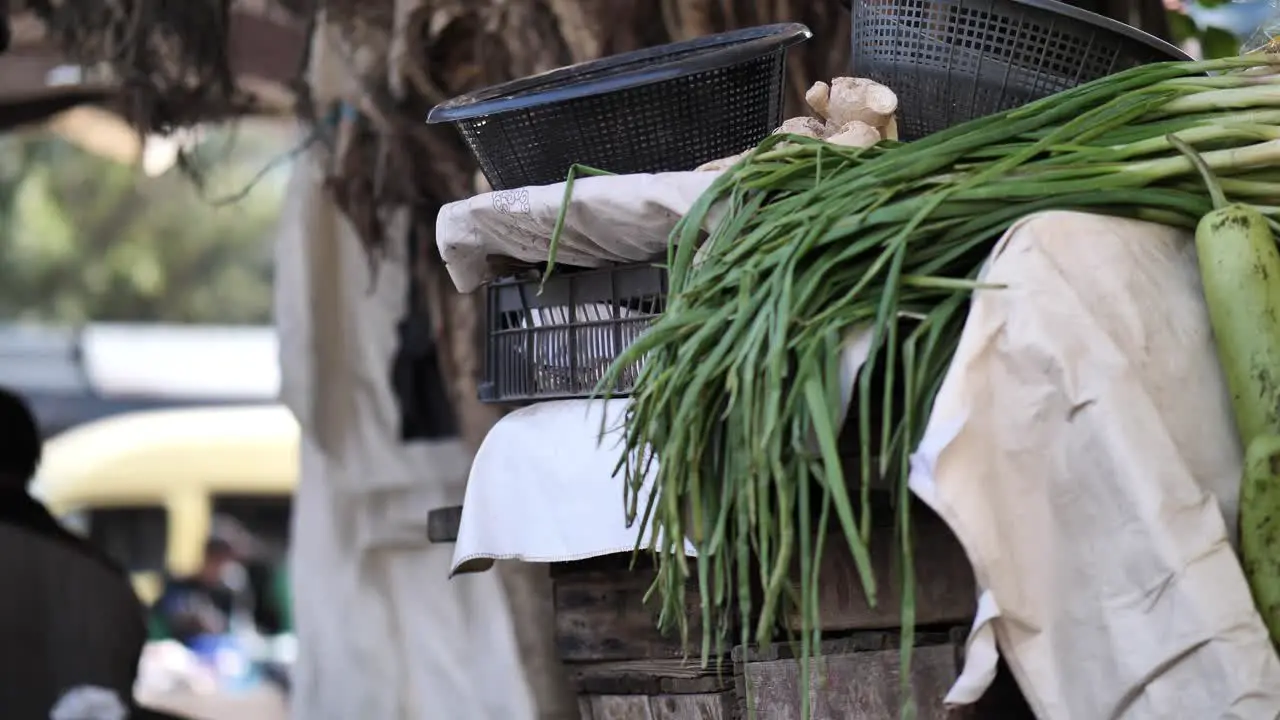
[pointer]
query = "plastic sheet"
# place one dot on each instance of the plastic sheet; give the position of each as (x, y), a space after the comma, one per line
(1267, 37)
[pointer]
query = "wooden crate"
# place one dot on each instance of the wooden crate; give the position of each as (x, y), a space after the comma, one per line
(654, 690)
(625, 669)
(854, 678)
(858, 677)
(945, 591)
(622, 667)
(601, 615)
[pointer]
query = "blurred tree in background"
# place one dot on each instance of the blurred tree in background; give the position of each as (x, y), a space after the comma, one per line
(85, 238)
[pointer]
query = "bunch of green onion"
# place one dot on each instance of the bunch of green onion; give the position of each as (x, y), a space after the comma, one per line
(739, 396)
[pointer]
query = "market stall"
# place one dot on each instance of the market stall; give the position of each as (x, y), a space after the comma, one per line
(878, 395)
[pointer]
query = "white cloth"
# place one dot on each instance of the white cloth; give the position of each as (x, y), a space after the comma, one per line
(383, 633)
(611, 219)
(542, 486)
(1083, 450)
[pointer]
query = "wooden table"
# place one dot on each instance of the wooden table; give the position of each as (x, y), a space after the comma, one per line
(624, 669)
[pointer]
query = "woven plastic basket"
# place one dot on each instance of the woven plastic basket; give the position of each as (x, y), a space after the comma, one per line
(951, 61)
(666, 108)
(558, 343)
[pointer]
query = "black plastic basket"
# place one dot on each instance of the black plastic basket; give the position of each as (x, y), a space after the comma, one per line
(955, 60)
(672, 107)
(558, 344)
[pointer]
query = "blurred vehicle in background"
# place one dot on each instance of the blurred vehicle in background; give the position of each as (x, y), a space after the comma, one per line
(154, 435)
(147, 486)
(72, 376)
(151, 487)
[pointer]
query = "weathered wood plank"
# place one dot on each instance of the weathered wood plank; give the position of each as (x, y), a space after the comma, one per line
(853, 686)
(861, 642)
(714, 706)
(619, 707)
(945, 591)
(650, 677)
(705, 706)
(443, 523)
(601, 615)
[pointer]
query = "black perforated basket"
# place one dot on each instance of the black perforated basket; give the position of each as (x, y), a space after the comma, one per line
(559, 344)
(955, 60)
(661, 109)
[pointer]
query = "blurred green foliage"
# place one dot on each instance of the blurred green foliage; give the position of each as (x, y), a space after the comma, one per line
(1219, 28)
(84, 238)
(1214, 42)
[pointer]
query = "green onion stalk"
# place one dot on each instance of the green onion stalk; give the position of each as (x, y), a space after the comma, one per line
(739, 397)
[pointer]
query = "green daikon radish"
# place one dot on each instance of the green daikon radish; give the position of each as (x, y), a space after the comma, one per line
(1260, 528)
(1240, 271)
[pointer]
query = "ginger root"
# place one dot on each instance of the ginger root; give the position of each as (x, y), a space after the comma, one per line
(847, 100)
(806, 126)
(856, 134)
(890, 130)
(811, 127)
(860, 99)
(818, 97)
(853, 112)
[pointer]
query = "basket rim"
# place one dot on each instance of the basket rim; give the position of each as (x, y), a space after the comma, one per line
(554, 86)
(1091, 18)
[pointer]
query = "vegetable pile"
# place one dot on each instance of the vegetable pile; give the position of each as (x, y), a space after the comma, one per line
(739, 394)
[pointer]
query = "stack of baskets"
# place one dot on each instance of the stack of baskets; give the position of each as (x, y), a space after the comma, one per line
(678, 106)
(662, 109)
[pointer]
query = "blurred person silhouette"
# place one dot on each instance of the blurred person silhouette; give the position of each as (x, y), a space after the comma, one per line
(20, 453)
(72, 625)
(203, 603)
(234, 588)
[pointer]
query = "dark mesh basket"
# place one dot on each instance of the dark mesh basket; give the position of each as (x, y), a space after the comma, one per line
(955, 60)
(559, 344)
(662, 109)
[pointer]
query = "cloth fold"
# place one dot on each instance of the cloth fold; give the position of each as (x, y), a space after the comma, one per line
(611, 219)
(1082, 448)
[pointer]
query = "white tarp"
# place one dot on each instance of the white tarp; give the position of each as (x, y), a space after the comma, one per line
(1082, 449)
(383, 633)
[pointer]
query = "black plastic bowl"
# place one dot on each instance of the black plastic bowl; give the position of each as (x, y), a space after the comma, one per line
(667, 108)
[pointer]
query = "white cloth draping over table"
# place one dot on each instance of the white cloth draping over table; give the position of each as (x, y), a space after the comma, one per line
(544, 492)
(1082, 449)
(542, 486)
